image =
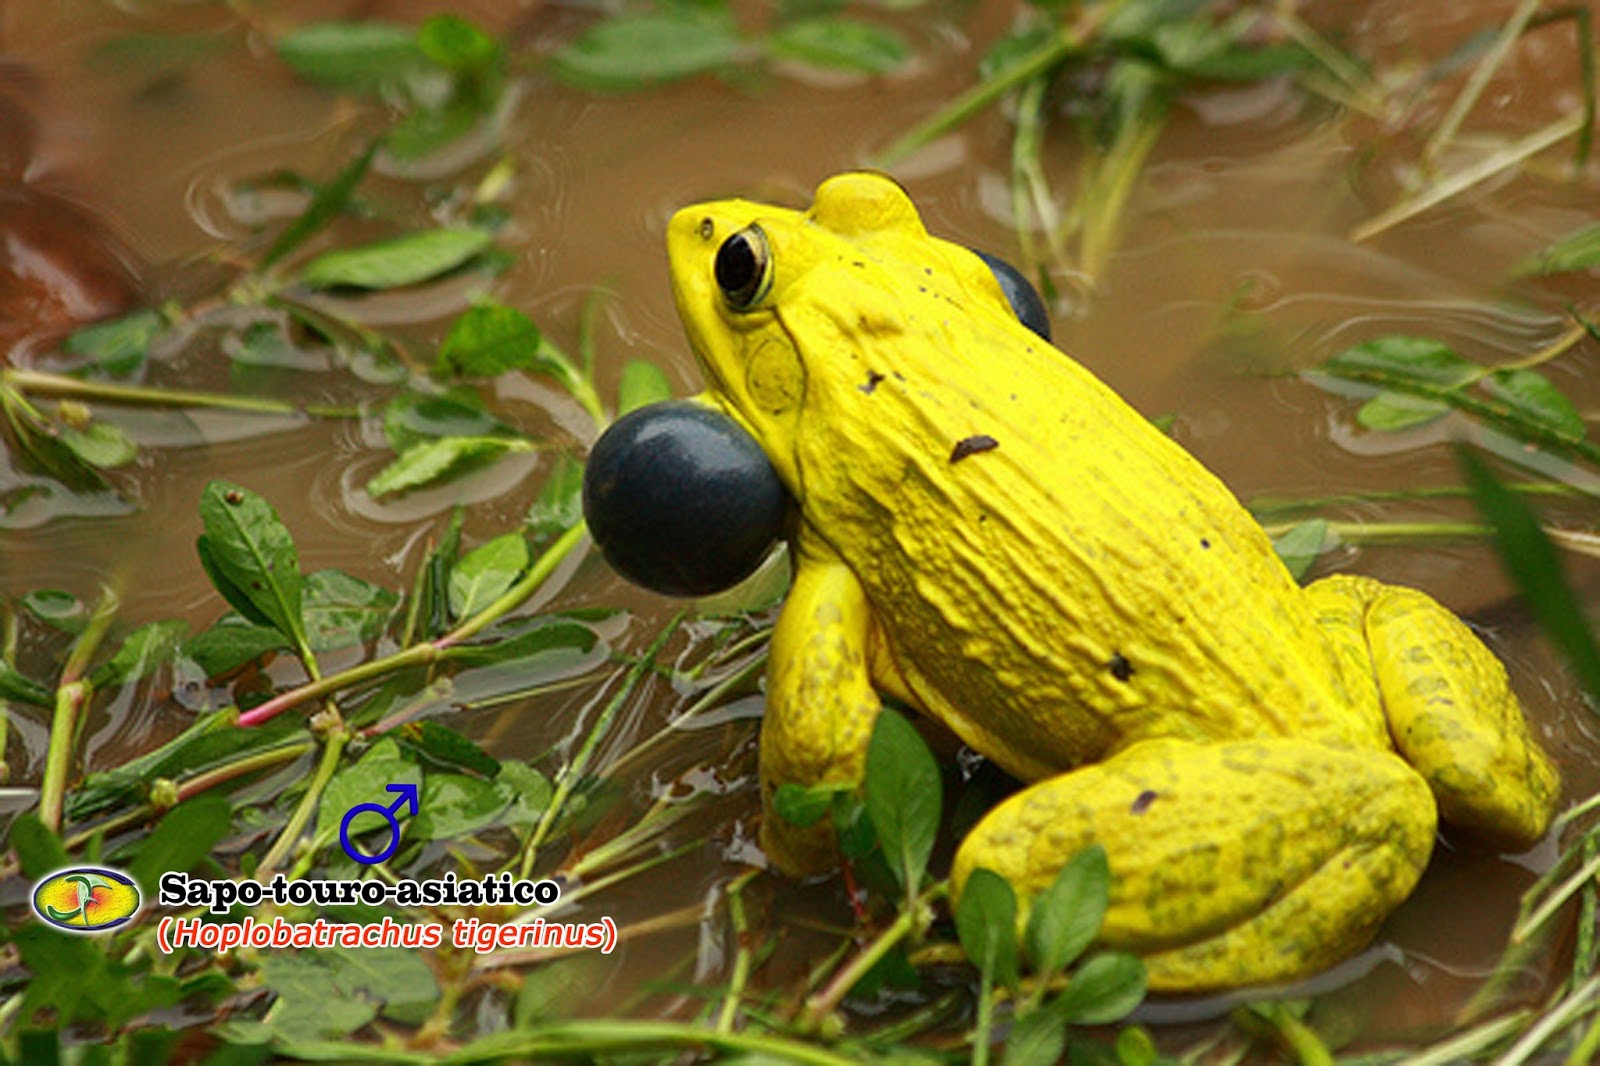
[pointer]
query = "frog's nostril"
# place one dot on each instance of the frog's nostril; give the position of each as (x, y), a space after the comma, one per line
(1025, 301)
(681, 499)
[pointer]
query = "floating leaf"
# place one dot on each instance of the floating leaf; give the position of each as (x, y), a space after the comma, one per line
(1300, 546)
(434, 460)
(57, 609)
(444, 746)
(488, 340)
(100, 444)
(1420, 359)
(231, 642)
(840, 44)
(986, 922)
(413, 417)
(1065, 918)
(247, 545)
(183, 838)
(351, 54)
(1103, 990)
(425, 131)
(329, 201)
(1532, 395)
(341, 610)
(1578, 250)
(454, 805)
(458, 45)
(642, 384)
(485, 573)
(1391, 411)
(529, 793)
(903, 796)
(309, 1003)
(142, 651)
(549, 647)
(404, 260)
(17, 686)
(634, 51)
(367, 781)
(118, 345)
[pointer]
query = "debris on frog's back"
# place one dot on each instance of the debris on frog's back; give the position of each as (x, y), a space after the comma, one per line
(978, 442)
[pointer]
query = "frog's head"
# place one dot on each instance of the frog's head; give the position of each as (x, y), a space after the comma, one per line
(780, 304)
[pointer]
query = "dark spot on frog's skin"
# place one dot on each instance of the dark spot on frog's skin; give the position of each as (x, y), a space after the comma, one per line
(1142, 801)
(858, 264)
(873, 377)
(1120, 667)
(978, 442)
(1205, 543)
(928, 271)
(897, 375)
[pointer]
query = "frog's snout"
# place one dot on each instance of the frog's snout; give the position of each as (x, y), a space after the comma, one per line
(681, 500)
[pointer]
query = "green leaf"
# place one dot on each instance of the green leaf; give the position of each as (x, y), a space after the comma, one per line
(16, 686)
(1300, 546)
(142, 651)
(330, 200)
(642, 384)
(1391, 411)
(118, 345)
(486, 572)
(367, 781)
(1065, 918)
(247, 545)
(559, 505)
(1419, 359)
(548, 648)
(39, 850)
(231, 642)
(1578, 250)
(411, 418)
(57, 609)
(184, 836)
(427, 130)
(458, 45)
(404, 260)
(1135, 1047)
(488, 340)
(341, 610)
(1037, 1039)
(986, 922)
(351, 54)
(635, 51)
(399, 979)
(839, 44)
(443, 745)
(528, 792)
(100, 444)
(454, 805)
(39, 438)
(1535, 567)
(1104, 989)
(435, 460)
(1532, 395)
(903, 796)
(803, 805)
(310, 1003)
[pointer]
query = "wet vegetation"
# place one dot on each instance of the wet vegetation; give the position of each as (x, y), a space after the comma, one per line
(310, 690)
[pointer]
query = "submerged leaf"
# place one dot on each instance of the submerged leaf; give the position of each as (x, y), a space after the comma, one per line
(488, 340)
(1532, 395)
(232, 642)
(142, 651)
(559, 505)
(486, 572)
(351, 54)
(434, 460)
(404, 260)
(328, 202)
(635, 51)
(117, 345)
(100, 444)
(1578, 250)
(840, 44)
(1392, 411)
(341, 610)
(1420, 359)
(1300, 546)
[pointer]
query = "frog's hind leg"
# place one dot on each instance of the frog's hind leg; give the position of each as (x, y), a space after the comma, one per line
(1232, 864)
(1450, 709)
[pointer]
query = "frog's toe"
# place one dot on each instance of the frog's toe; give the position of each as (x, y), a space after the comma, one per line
(1232, 864)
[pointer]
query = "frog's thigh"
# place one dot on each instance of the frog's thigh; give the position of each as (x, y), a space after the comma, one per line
(1453, 716)
(1232, 864)
(820, 706)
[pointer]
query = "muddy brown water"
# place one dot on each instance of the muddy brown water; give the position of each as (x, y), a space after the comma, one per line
(117, 184)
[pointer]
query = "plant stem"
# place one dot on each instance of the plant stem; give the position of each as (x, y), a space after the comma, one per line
(1478, 81)
(8, 656)
(38, 381)
(72, 694)
(741, 956)
(591, 1038)
(909, 920)
(573, 771)
(983, 1024)
(333, 747)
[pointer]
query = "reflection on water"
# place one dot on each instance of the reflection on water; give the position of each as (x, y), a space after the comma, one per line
(111, 158)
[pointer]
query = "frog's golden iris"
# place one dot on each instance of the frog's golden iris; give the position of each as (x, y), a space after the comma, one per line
(1083, 603)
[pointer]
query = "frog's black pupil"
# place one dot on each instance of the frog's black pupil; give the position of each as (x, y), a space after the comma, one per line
(739, 267)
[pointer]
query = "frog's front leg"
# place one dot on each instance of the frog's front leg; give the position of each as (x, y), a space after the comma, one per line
(1232, 864)
(1449, 706)
(820, 703)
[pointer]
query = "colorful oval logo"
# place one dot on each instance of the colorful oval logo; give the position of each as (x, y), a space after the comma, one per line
(86, 899)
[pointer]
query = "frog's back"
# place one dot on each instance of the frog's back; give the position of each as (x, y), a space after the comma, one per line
(1042, 562)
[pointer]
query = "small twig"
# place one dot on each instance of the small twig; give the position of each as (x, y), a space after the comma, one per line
(72, 694)
(42, 383)
(741, 952)
(1478, 81)
(333, 747)
(910, 919)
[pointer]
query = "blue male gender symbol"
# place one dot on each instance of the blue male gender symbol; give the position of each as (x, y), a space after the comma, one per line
(408, 797)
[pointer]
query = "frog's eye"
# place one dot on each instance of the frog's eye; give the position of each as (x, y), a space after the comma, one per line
(744, 268)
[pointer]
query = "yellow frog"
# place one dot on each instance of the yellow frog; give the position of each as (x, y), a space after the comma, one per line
(989, 534)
